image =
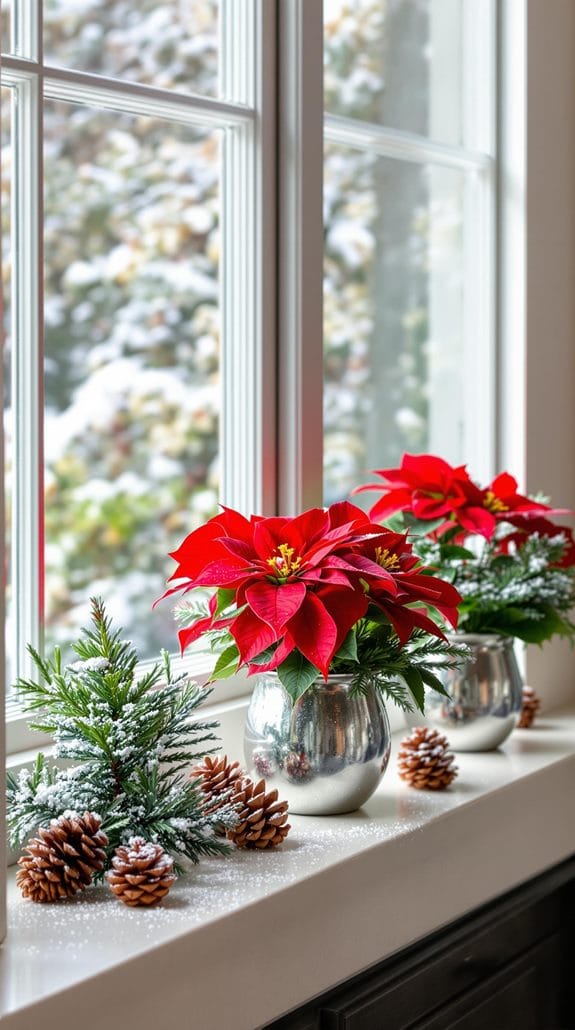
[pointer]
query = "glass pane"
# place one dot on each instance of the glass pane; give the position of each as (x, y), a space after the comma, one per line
(5, 29)
(394, 362)
(174, 43)
(398, 63)
(132, 361)
(5, 201)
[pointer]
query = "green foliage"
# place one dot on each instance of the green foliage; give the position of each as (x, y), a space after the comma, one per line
(399, 671)
(297, 674)
(525, 593)
(128, 743)
(372, 654)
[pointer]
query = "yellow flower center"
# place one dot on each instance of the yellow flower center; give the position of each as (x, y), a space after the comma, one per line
(283, 562)
(493, 503)
(386, 558)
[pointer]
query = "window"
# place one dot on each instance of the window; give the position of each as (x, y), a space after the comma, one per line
(173, 242)
(410, 182)
(138, 177)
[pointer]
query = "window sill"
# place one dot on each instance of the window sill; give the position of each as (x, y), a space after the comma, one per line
(246, 938)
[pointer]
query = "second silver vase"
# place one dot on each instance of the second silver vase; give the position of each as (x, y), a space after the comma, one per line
(484, 695)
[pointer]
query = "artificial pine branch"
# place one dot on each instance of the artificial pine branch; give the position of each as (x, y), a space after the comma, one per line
(131, 740)
(398, 670)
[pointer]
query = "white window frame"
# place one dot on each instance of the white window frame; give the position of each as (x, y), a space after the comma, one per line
(272, 320)
(247, 276)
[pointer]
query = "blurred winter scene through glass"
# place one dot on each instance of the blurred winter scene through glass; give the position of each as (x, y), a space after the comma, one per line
(131, 361)
(397, 63)
(6, 21)
(173, 44)
(394, 247)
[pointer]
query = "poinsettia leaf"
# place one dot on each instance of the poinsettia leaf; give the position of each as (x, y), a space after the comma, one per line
(225, 597)
(264, 656)
(297, 674)
(433, 681)
(537, 631)
(450, 534)
(422, 527)
(276, 604)
(314, 632)
(450, 551)
(414, 680)
(227, 663)
(397, 522)
(473, 621)
(251, 635)
(348, 650)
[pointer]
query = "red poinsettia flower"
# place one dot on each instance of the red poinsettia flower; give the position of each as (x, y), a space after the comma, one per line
(429, 488)
(527, 526)
(415, 586)
(503, 503)
(302, 583)
(424, 485)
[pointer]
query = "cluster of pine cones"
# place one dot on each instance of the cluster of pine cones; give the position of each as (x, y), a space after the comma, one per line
(65, 856)
(262, 818)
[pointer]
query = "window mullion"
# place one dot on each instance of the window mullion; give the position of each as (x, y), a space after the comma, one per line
(300, 255)
(27, 377)
(248, 261)
(137, 98)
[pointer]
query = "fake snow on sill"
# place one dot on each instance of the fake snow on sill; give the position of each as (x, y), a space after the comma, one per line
(221, 885)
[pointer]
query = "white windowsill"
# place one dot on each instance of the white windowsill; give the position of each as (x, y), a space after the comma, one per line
(245, 938)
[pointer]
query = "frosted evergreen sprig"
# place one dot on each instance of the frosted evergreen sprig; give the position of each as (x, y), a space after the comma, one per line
(373, 654)
(524, 593)
(131, 739)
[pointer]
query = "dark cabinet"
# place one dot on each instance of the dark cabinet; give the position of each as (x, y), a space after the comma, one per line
(507, 966)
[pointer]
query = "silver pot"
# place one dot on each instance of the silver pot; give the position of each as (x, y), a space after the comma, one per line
(326, 753)
(485, 695)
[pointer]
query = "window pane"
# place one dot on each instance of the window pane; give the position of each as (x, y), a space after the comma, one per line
(394, 306)
(5, 30)
(131, 360)
(174, 43)
(398, 63)
(5, 200)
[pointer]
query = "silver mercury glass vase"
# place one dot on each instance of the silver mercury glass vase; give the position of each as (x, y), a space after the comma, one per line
(484, 695)
(327, 752)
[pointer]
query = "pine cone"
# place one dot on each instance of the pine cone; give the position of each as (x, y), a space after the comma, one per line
(63, 858)
(219, 778)
(262, 818)
(142, 873)
(425, 761)
(530, 706)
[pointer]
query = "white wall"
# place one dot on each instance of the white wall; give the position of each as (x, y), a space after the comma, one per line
(538, 294)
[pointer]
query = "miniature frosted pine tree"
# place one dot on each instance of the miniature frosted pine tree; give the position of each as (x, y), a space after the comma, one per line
(128, 744)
